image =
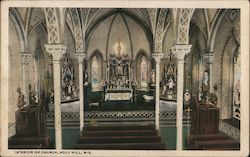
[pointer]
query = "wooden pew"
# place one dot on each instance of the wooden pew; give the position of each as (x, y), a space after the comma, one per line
(38, 146)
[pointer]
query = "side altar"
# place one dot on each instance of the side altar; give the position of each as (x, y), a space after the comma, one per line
(119, 76)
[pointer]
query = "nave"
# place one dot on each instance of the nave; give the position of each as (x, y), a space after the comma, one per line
(89, 70)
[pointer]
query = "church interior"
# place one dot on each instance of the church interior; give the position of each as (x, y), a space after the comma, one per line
(124, 78)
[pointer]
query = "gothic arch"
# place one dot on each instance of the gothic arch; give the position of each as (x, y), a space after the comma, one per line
(19, 27)
(97, 55)
(215, 26)
(159, 33)
(100, 19)
(52, 22)
(78, 33)
(137, 71)
(226, 82)
(184, 19)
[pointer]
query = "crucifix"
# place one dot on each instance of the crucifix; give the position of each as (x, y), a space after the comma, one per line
(119, 48)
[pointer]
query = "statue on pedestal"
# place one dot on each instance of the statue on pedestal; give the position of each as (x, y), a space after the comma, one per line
(32, 97)
(152, 76)
(205, 78)
(20, 99)
(168, 82)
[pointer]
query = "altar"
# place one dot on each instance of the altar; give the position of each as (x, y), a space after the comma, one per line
(119, 77)
(118, 95)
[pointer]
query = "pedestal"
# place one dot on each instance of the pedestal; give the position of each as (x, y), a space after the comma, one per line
(26, 122)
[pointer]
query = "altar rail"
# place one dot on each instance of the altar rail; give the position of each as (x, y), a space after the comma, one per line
(125, 117)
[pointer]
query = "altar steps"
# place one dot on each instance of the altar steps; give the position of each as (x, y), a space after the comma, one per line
(119, 133)
(124, 137)
(218, 141)
(123, 146)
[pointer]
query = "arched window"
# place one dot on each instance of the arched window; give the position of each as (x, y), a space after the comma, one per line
(95, 71)
(144, 71)
(236, 87)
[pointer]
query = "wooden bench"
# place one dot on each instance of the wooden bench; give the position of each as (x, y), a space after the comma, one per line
(18, 141)
(38, 146)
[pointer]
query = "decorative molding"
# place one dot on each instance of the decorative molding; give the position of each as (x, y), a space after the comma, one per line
(209, 57)
(180, 51)
(52, 25)
(56, 50)
(25, 57)
(80, 57)
(91, 14)
(157, 57)
(145, 14)
(159, 34)
(78, 34)
(84, 14)
(116, 114)
(183, 25)
(153, 17)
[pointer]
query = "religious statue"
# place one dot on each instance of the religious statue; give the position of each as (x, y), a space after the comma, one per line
(168, 81)
(164, 89)
(32, 97)
(170, 84)
(51, 97)
(187, 97)
(119, 68)
(20, 99)
(212, 98)
(205, 78)
(152, 74)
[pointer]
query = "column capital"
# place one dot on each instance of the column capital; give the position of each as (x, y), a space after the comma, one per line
(209, 57)
(80, 57)
(157, 57)
(25, 57)
(180, 51)
(56, 50)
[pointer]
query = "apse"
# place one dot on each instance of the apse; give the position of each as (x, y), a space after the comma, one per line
(118, 28)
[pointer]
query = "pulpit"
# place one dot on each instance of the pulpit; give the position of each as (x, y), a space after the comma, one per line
(30, 129)
(205, 133)
(204, 118)
(26, 122)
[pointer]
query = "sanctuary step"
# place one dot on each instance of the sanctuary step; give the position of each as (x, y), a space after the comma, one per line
(123, 137)
(218, 141)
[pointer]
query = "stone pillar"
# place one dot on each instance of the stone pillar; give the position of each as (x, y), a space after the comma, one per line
(25, 59)
(57, 51)
(80, 58)
(180, 51)
(157, 57)
(209, 58)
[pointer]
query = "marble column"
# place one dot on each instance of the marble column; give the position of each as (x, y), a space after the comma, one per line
(57, 51)
(25, 59)
(209, 58)
(180, 51)
(157, 57)
(80, 58)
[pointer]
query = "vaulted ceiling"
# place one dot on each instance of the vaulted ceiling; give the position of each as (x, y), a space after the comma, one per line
(82, 21)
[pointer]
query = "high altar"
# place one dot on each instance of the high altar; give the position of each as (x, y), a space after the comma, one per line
(119, 77)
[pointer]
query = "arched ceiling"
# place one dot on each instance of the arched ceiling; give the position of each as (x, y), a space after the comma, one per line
(207, 20)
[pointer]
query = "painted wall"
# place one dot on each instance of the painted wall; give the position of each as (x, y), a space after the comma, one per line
(15, 71)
